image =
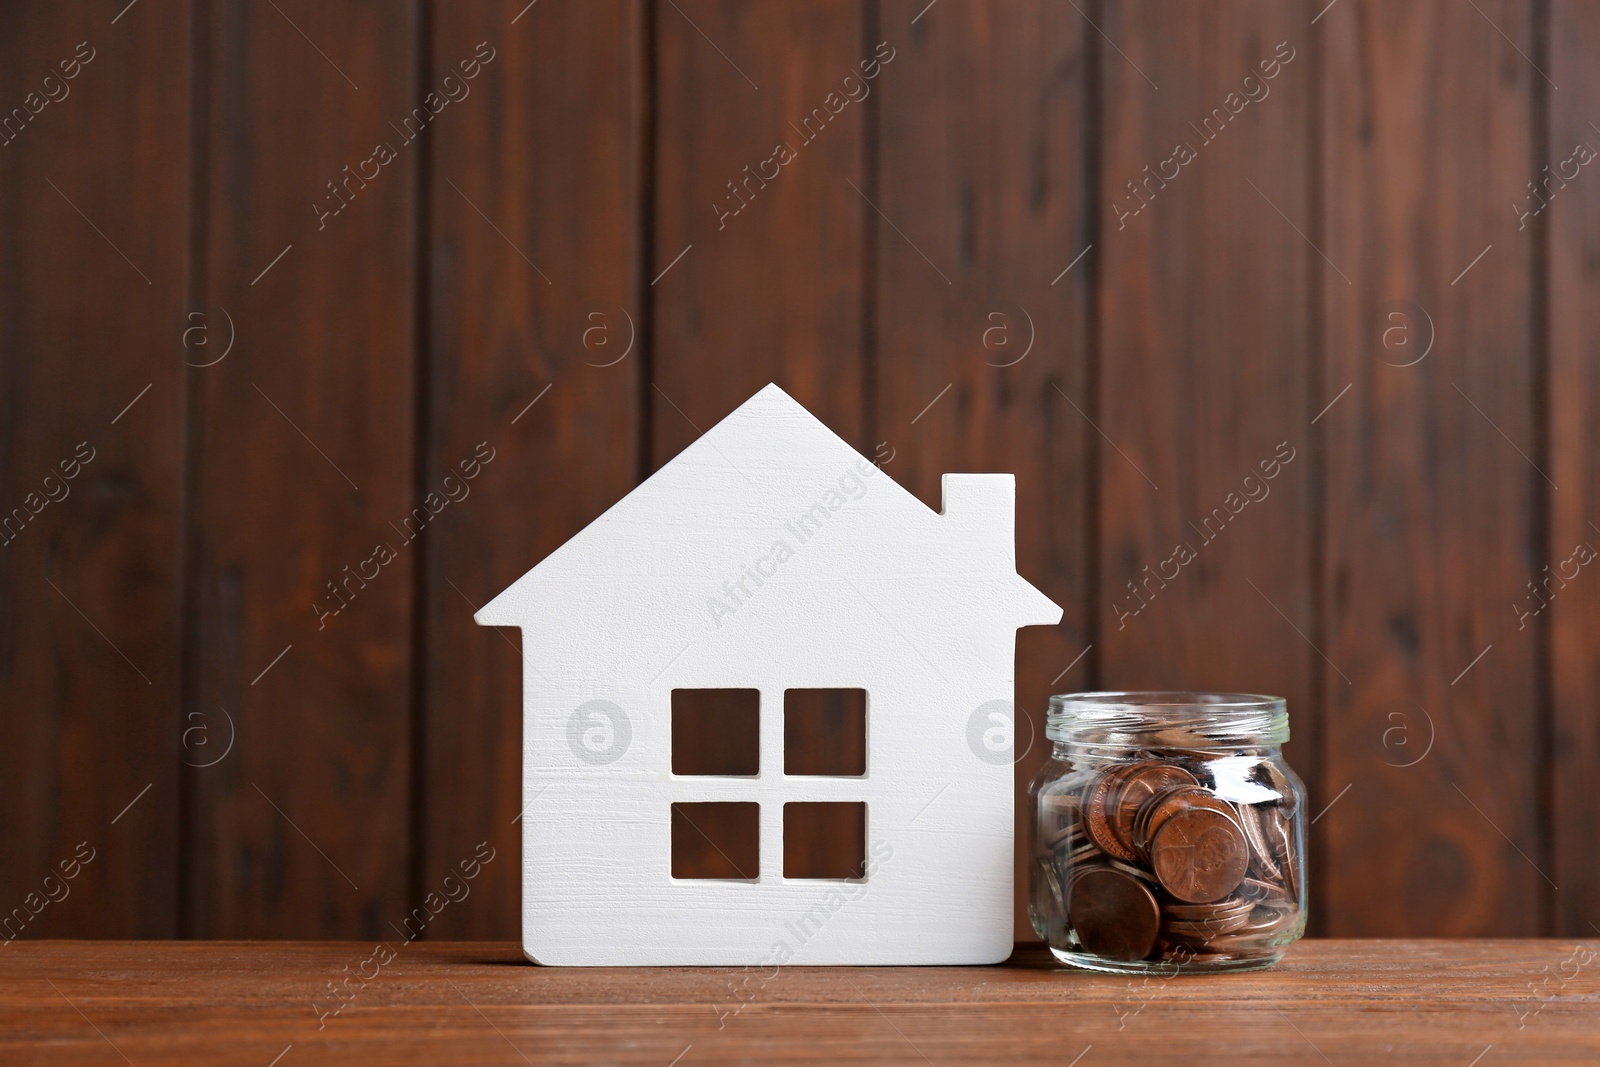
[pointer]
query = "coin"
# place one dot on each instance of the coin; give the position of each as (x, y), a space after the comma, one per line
(1162, 806)
(1279, 783)
(1251, 821)
(1204, 920)
(1046, 874)
(1083, 852)
(1139, 783)
(1059, 803)
(1113, 914)
(1199, 855)
(1264, 930)
(1279, 828)
(1229, 908)
(1163, 801)
(1147, 862)
(1204, 931)
(1060, 821)
(1128, 868)
(1096, 818)
(1180, 954)
(1258, 890)
(1272, 916)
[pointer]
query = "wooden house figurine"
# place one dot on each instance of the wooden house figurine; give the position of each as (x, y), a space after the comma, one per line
(771, 556)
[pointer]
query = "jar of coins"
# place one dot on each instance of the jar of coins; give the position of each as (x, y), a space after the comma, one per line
(1168, 834)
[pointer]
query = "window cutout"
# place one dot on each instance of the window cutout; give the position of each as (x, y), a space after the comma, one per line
(824, 840)
(716, 731)
(825, 732)
(716, 840)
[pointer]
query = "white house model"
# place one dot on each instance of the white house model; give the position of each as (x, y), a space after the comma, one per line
(770, 555)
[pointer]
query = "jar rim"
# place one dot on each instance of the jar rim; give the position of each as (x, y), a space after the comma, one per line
(1194, 718)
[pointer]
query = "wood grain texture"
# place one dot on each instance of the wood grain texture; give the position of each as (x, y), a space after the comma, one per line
(735, 80)
(781, 241)
(1344, 1002)
(1204, 457)
(825, 733)
(534, 276)
(303, 458)
(979, 336)
(94, 184)
(1571, 226)
(1390, 164)
(1432, 493)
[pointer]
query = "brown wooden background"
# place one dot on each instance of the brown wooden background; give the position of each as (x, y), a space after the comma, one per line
(890, 278)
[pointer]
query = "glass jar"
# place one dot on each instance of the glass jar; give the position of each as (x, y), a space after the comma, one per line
(1167, 834)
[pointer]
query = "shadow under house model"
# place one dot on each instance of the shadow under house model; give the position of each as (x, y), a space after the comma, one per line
(770, 555)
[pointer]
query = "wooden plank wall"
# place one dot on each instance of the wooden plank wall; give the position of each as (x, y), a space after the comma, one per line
(92, 309)
(1205, 354)
(1434, 493)
(361, 309)
(1571, 398)
(301, 460)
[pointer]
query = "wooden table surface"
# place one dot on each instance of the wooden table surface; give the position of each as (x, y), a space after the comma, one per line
(1461, 1003)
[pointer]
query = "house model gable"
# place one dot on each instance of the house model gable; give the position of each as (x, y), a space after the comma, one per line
(769, 555)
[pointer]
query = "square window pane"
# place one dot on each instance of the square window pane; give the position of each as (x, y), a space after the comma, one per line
(824, 840)
(716, 731)
(825, 732)
(716, 840)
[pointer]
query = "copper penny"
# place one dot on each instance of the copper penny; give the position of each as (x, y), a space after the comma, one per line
(1258, 890)
(1083, 852)
(1061, 805)
(1203, 931)
(1114, 914)
(1060, 817)
(1166, 804)
(1229, 908)
(1139, 783)
(1274, 919)
(1096, 817)
(1279, 782)
(1203, 920)
(1045, 873)
(1265, 929)
(1252, 822)
(1279, 828)
(1199, 855)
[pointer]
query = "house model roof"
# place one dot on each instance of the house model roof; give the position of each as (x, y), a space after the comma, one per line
(770, 490)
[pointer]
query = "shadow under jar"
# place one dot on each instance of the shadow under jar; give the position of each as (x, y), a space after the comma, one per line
(1168, 834)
